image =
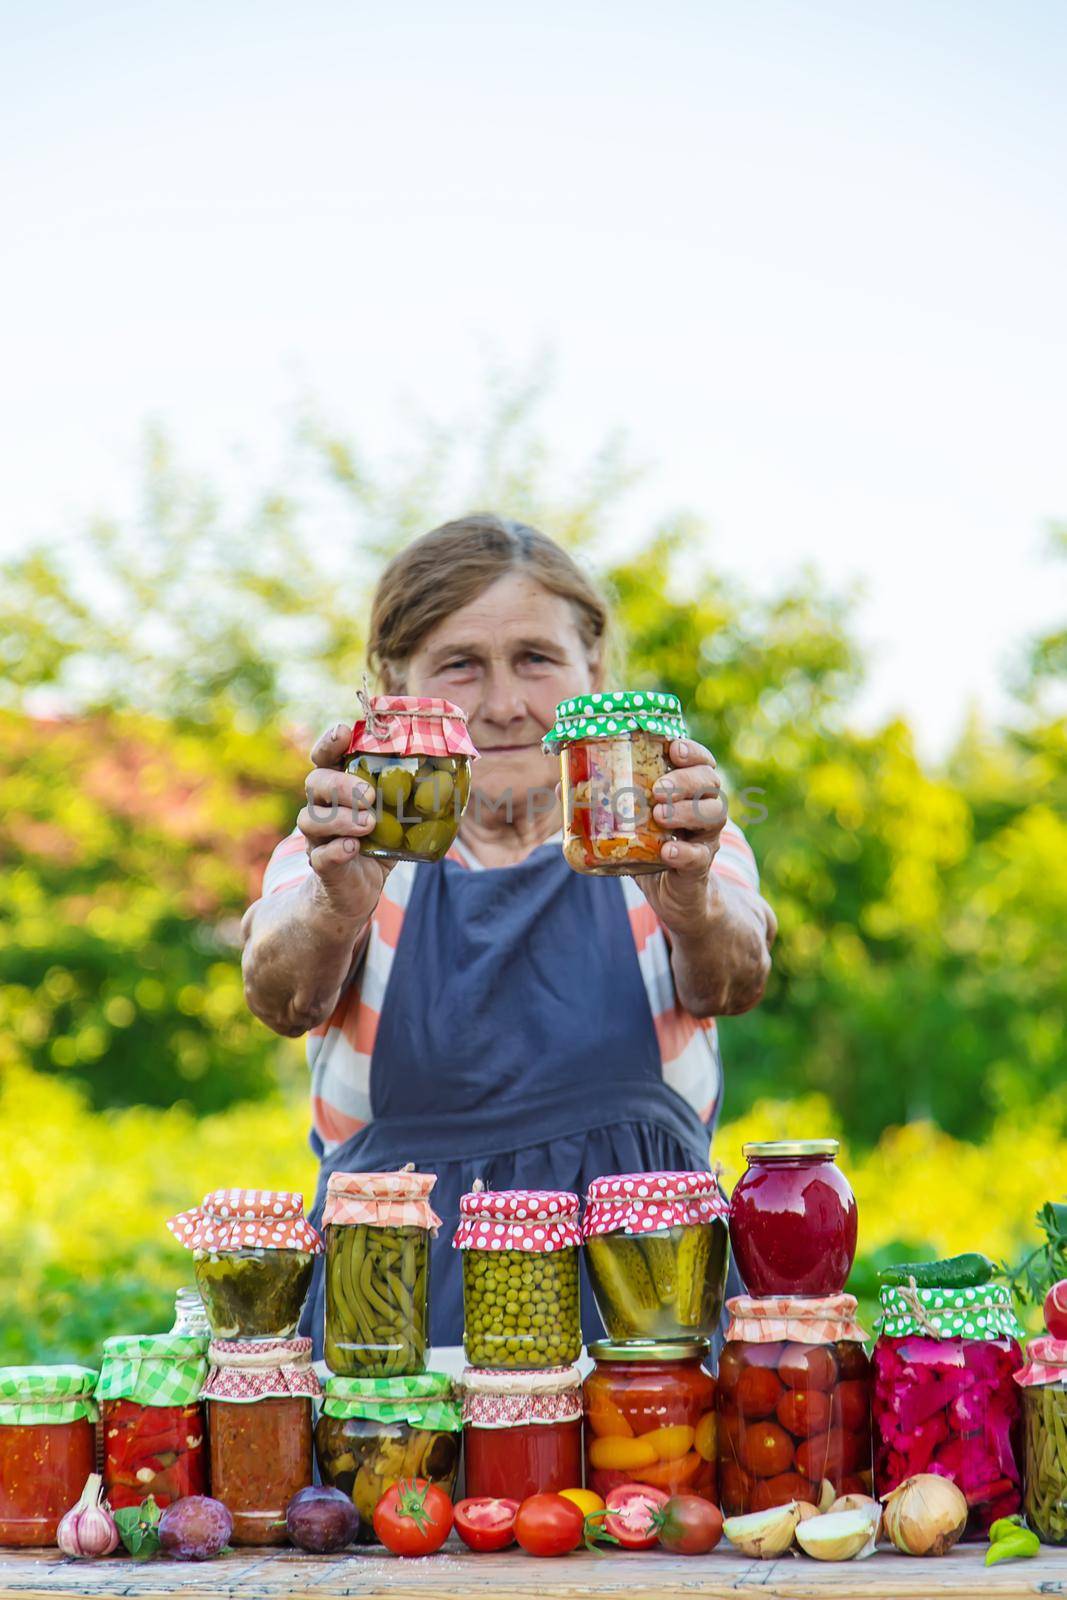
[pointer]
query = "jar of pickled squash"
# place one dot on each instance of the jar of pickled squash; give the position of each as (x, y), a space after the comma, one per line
(650, 1417)
(47, 1448)
(793, 1402)
(944, 1396)
(656, 1248)
(416, 753)
(793, 1219)
(253, 1254)
(520, 1277)
(258, 1395)
(522, 1432)
(378, 1229)
(149, 1394)
(373, 1431)
(613, 746)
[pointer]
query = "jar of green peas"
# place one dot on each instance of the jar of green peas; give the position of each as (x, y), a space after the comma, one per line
(520, 1277)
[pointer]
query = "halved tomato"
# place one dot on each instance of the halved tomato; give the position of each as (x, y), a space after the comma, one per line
(631, 1511)
(486, 1524)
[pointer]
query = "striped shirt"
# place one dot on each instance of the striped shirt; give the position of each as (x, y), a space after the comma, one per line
(339, 1050)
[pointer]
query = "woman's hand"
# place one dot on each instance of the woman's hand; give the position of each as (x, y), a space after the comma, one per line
(689, 798)
(338, 814)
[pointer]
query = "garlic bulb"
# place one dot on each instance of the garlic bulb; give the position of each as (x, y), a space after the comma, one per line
(840, 1535)
(88, 1529)
(924, 1515)
(763, 1534)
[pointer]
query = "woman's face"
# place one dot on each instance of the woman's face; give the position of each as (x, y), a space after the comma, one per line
(508, 658)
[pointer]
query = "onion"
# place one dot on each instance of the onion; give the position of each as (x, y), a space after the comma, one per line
(924, 1515)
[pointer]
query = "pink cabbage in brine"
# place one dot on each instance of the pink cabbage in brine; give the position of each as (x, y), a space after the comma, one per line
(950, 1406)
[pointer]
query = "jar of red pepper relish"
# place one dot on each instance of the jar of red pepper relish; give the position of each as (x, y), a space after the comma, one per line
(149, 1393)
(47, 1448)
(258, 1395)
(650, 1416)
(793, 1219)
(522, 1431)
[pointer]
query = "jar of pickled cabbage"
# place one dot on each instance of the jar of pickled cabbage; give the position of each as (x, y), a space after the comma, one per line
(656, 1248)
(793, 1403)
(47, 1448)
(416, 754)
(373, 1431)
(149, 1393)
(520, 1277)
(613, 746)
(522, 1432)
(378, 1228)
(650, 1417)
(944, 1397)
(253, 1254)
(258, 1395)
(793, 1219)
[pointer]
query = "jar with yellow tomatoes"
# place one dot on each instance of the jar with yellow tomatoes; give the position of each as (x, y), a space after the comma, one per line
(650, 1417)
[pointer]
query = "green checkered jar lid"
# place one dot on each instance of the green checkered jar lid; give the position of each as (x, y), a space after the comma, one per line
(33, 1395)
(613, 713)
(980, 1313)
(153, 1369)
(424, 1400)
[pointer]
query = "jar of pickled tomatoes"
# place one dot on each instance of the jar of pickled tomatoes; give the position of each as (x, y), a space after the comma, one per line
(47, 1448)
(650, 1416)
(522, 1432)
(793, 1219)
(794, 1407)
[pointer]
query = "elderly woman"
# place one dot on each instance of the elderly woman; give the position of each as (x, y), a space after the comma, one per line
(498, 1015)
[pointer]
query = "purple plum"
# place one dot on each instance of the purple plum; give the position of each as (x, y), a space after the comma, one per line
(195, 1529)
(321, 1519)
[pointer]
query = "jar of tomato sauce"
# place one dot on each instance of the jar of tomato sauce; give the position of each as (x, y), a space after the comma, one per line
(47, 1448)
(650, 1416)
(522, 1432)
(149, 1394)
(794, 1403)
(793, 1219)
(258, 1395)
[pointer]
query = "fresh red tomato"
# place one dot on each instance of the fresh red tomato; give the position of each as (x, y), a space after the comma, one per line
(413, 1518)
(631, 1515)
(688, 1525)
(549, 1525)
(486, 1524)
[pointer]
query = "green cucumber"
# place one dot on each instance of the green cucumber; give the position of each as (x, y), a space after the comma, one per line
(954, 1272)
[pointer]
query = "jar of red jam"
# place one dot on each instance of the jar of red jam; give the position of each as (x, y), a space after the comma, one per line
(47, 1448)
(149, 1393)
(793, 1219)
(650, 1417)
(794, 1403)
(522, 1431)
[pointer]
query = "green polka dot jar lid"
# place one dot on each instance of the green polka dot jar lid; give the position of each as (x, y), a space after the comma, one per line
(982, 1313)
(530, 1220)
(613, 713)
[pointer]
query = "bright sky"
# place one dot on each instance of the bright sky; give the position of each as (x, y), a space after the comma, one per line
(811, 256)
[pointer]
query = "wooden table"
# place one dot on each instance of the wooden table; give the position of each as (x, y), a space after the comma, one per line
(456, 1574)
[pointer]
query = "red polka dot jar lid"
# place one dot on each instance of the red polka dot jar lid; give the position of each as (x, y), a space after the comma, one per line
(641, 1202)
(518, 1219)
(247, 1219)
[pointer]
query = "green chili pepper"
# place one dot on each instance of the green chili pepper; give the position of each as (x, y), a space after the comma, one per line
(1005, 1526)
(1011, 1546)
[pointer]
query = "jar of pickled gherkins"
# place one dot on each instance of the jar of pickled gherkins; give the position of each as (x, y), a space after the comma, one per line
(656, 1248)
(522, 1432)
(520, 1277)
(253, 1254)
(47, 1448)
(1043, 1381)
(650, 1416)
(416, 753)
(613, 746)
(793, 1219)
(378, 1229)
(793, 1403)
(258, 1395)
(149, 1394)
(944, 1400)
(373, 1431)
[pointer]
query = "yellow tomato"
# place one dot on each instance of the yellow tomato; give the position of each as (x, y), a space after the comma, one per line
(705, 1436)
(670, 1443)
(619, 1455)
(586, 1501)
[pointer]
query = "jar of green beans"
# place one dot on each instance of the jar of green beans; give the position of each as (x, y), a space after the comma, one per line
(1043, 1381)
(520, 1277)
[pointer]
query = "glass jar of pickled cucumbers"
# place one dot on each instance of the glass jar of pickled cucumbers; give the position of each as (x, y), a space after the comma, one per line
(656, 1246)
(253, 1253)
(378, 1229)
(416, 753)
(520, 1277)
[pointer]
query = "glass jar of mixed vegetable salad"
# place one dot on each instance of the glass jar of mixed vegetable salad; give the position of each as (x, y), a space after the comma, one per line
(613, 746)
(149, 1394)
(520, 1277)
(416, 754)
(378, 1229)
(47, 1448)
(522, 1432)
(253, 1253)
(650, 1417)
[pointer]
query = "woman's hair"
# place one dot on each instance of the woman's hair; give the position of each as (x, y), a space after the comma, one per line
(445, 569)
